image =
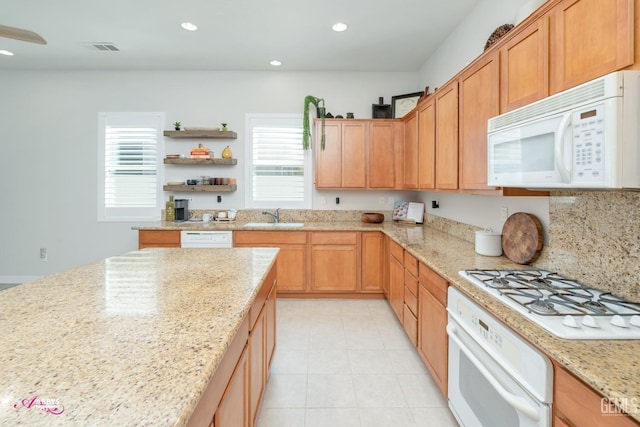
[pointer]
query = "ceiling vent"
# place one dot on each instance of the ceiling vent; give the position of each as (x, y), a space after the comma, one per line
(101, 46)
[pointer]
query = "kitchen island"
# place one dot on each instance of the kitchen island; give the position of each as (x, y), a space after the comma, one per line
(131, 340)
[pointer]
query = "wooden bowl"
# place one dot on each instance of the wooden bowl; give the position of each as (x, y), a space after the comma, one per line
(372, 217)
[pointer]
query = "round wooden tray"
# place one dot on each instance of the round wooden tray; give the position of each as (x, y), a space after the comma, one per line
(522, 238)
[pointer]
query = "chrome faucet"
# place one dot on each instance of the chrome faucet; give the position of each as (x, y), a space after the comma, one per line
(276, 216)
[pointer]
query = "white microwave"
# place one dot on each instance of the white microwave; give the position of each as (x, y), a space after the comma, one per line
(583, 138)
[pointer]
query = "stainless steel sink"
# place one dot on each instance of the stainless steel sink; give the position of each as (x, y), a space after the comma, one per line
(274, 224)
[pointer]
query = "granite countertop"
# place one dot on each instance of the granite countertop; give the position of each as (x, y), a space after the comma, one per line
(130, 340)
(609, 366)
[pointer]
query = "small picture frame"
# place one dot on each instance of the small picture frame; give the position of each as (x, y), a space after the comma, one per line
(402, 104)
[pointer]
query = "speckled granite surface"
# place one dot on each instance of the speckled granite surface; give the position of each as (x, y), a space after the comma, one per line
(610, 367)
(129, 341)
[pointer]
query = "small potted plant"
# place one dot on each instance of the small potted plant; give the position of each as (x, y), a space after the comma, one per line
(306, 126)
(224, 127)
(177, 125)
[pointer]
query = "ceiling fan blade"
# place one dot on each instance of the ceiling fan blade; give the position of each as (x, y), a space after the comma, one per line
(20, 34)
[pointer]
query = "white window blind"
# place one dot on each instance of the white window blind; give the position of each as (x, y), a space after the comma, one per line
(129, 165)
(278, 173)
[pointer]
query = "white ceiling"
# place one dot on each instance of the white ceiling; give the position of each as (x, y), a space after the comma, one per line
(383, 35)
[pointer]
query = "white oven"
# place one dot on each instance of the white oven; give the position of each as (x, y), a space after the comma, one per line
(496, 379)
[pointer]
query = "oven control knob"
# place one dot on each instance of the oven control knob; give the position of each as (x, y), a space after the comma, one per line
(570, 321)
(618, 321)
(635, 320)
(590, 321)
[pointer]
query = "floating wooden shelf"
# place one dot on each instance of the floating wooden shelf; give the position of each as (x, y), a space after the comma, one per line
(190, 161)
(200, 134)
(205, 188)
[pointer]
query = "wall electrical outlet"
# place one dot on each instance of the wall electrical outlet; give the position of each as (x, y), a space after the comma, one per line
(504, 213)
(43, 254)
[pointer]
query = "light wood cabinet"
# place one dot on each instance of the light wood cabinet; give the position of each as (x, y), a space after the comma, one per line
(257, 350)
(334, 261)
(432, 323)
(588, 39)
(381, 151)
(479, 87)
(373, 265)
(158, 239)
(342, 164)
(272, 318)
(447, 136)
(410, 152)
(233, 410)
(576, 405)
(396, 279)
(292, 259)
(524, 66)
(427, 145)
(410, 298)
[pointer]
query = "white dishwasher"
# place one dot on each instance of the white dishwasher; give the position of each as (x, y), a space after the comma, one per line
(206, 239)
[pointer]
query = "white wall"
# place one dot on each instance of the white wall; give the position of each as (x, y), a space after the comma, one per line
(464, 45)
(48, 141)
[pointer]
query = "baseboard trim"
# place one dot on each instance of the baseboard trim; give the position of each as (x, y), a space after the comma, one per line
(18, 279)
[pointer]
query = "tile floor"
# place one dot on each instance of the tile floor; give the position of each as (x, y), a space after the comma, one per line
(342, 363)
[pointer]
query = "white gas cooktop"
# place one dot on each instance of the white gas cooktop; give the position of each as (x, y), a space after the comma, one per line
(564, 307)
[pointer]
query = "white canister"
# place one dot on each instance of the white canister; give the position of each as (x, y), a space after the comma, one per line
(488, 243)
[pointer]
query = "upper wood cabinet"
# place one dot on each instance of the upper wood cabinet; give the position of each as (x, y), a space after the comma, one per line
(427, 145)
(478, 103)
(343, 161)
(589, 38)
(447, 136)
(381, 150)
(410, 152)
(524, 66)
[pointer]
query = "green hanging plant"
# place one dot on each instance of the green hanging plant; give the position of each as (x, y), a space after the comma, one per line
(306, 125)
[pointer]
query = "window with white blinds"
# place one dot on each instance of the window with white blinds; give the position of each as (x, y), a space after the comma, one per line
(278, 172)
(129, 166)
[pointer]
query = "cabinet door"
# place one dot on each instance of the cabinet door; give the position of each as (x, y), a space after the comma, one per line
(524, 66)
(292, 268)
(257, 365)
(478, 103)
(432, 336)
(589, 38)
(372, 262)
(329, 160)
(158, 239)
(354, 155)
(334, 261)
(427, 145)
(396, 287)
(410, 154)
(233, 410)
(271, 306)
(447, 137)
(381, 156)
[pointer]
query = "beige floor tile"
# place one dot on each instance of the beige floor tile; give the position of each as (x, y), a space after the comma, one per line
(285, 391)
(378, 391)
(330, 391)
(386, 417)
(333, 417)
(281, 417)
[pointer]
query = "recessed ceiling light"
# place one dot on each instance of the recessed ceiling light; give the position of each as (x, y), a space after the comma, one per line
(6, 52)
(339, 27)
(189, 26)
(275, 63)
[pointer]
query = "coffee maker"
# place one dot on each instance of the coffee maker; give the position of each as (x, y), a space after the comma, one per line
(182, 209)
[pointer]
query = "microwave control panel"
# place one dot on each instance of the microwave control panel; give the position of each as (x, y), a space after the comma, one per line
(588, 144)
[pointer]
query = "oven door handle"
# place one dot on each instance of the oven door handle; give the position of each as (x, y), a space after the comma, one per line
(520, 404)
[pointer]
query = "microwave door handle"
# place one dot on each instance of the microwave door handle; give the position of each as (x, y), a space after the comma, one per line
(519, 403)
(559, 149)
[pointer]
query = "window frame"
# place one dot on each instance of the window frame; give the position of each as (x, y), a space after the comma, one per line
(250, 203)
(130, 214)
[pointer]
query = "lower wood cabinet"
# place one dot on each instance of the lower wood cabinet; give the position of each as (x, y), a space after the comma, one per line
(233, 410)
(396, 279)
(432, 323)
(334, 261)
(158, 239)
(373, 271)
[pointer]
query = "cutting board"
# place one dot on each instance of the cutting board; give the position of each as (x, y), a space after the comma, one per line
(522, 238)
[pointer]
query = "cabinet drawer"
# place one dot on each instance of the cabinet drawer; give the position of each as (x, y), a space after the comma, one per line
(269, 237)
(410, 323)
(334, 238)
(396, 250)
(411, 282)
(159, 236)
(435, 284)
(411, 263)
(411, 301)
